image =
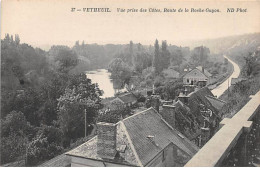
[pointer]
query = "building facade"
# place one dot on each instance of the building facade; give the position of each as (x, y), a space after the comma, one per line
(198, 76)
(143, 139)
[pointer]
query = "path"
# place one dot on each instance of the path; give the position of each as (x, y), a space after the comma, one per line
(219, 90)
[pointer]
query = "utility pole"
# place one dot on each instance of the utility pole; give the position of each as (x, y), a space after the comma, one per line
(85, 122)
(26, 152)
(228, 88)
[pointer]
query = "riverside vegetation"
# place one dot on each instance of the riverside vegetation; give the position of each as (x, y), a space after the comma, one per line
(44, 94)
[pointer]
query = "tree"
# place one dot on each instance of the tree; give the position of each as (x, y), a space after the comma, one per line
(12, 39)
(83, 95)
(45, 145)
(28, 103)
(15, 131)
(252, 65)
(67, 59)
(171, 89)
(200, 55)
(12, 147)
(111, 116)
(15, 122)
(17, 39)
(114, 112)
(120, 70)
(165, 56)
(142, 60)
(77, 43)
(83, 43)
(131, 52)
(7, 37)
(156, 59)
(177, 57)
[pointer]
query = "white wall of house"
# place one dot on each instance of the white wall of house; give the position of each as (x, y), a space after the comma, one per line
(171, 156)
(84, 162)
(166, 158)
(194, 76)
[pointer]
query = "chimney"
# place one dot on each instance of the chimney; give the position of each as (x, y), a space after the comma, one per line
(106, 140)
(183, 98)
(155, 102)
(202, 69)
(168, 114)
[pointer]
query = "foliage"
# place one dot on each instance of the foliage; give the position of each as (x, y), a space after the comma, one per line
(11, 149)
(252, 65)
(111, 116)
(113, 112)
(165, 55)
(142, 60)
(15, 122)
(238, 95)
(83, 95)
(176, 57)
(120, 70)
(171, 89)
(161, 57)
(67, 59)
(200, 55)
(45, 145)
(14, 128)
(140, 97)
(156, 59)
(30, 87)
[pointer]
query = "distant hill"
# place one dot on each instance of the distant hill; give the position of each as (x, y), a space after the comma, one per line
(100, 55)
(235, 46)
(225, 44)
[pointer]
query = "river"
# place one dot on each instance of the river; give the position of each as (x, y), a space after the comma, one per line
(111, 87)
(102, 78)
(219, 90)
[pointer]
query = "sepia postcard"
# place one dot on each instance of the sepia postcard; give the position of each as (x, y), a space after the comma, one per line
(130, 83)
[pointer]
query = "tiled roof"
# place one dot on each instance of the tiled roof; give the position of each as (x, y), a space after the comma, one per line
(199, 97)
(205, 71)
(183, 112)
(195, 73)
(133, 132)
(217, 103)
(89, 150)
(150, 123)
(127, 98)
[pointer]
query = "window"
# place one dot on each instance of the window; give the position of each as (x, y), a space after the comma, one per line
(163, 155)
(188, 80)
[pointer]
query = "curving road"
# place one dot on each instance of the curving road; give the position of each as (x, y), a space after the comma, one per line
(219, 90)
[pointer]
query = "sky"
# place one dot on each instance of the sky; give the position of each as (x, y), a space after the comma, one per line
(42, 22)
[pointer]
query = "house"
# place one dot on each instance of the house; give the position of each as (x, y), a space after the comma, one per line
(196, 113)
(200, 114)
(144, 139)
(198, 76)
(128, 99)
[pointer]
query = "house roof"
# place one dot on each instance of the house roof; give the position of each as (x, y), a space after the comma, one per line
(88, 150)
(150, 123)
(183, 112)
(215, 102)
(134, 132)
(195, 73)
(208, 74)
(199, 97)
(197, 69)
(127, 98)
